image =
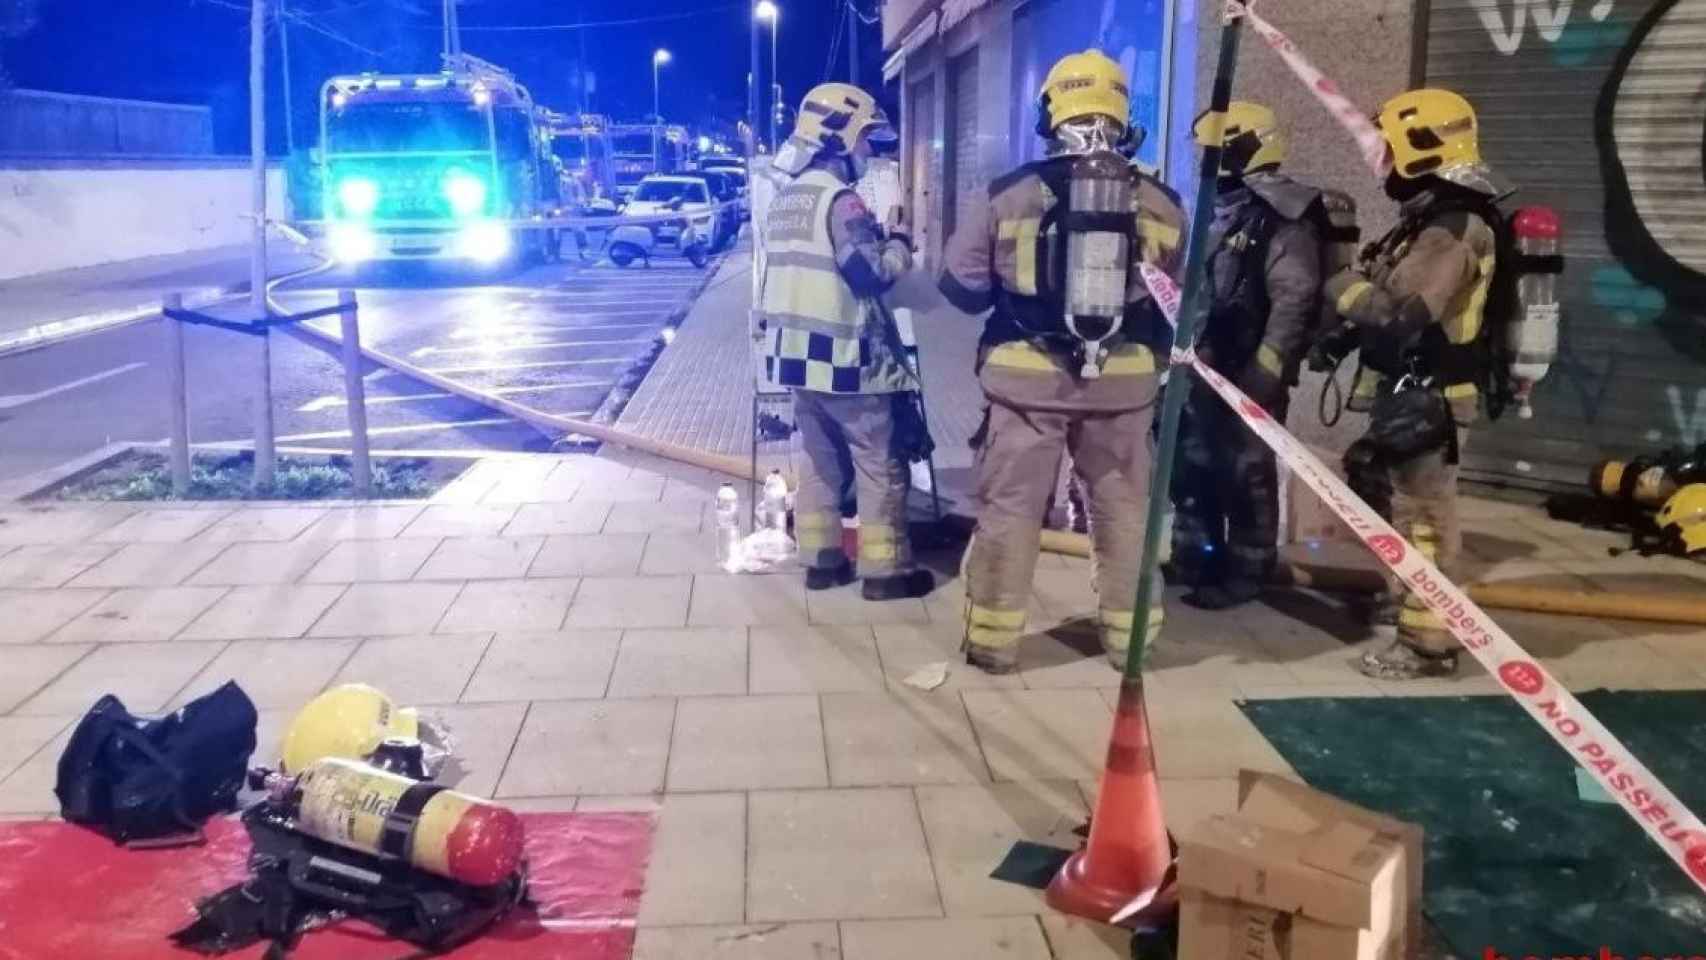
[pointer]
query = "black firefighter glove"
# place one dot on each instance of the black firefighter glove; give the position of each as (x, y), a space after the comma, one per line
(1329, 351)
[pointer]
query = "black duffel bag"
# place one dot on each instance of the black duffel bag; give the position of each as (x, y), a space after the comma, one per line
(147, 781)
(1411, 419)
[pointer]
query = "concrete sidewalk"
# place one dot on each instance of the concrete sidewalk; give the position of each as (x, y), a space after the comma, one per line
(46, 307)
(564, 614)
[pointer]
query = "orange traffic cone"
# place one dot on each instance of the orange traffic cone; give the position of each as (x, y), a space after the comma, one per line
(1126, 868)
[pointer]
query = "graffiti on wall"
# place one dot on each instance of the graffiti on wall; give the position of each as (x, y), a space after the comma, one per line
(1507, 21)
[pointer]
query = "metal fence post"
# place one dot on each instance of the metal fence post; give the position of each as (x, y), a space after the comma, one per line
(177, 394)
(355, 394)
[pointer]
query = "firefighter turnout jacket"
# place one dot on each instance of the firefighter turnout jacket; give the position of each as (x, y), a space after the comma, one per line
(1421, 294)
(827, 263)
(1010, 254)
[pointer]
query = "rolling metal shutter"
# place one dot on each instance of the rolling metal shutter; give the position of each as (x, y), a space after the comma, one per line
(1598, 110)
(965, 187)
(926, 158)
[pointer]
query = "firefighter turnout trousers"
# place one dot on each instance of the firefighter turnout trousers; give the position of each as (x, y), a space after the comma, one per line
(849, 441)
(1422, 507)
(1038, 412)
(1226, 491)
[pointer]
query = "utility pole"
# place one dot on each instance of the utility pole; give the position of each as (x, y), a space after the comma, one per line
(284, 66)
(752, 101)
(258, 247)
(452, 31)
(853, 23)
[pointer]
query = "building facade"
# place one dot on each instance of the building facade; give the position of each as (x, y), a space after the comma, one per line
(1595, 109)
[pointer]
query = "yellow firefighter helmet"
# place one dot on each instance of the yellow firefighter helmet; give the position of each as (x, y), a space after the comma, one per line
(1083, 85)
(834, 115)
(1429, 131)
(1251, 139)
(348, 721)
(1683, 519)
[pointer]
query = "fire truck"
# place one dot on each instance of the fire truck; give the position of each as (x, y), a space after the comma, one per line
(581, 143)
(448, 165)
(634, 144)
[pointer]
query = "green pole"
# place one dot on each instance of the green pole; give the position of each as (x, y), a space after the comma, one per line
(1192, 306)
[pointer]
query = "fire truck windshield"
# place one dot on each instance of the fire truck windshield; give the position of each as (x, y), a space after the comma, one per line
(634, 144)
(402, 127)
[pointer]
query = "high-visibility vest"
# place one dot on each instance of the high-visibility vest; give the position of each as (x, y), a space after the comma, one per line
(816, 328)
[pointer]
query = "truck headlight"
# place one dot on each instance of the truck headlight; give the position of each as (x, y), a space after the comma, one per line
(484, 242)
(358, 196)
(351, 243)
(466, 193)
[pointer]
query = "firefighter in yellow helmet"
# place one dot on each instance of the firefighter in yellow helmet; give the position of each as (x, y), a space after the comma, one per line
(830, 338)
(1267, 253)
(1067, 361)
(1417, 302)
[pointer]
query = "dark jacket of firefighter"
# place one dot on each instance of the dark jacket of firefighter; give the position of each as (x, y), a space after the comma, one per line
(1009, 254)
(1419, 295)
(1421, 291)
(1265, 274)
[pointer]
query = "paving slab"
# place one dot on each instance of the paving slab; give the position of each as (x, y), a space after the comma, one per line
(871, 838)
(142, 675)
(250, 564)
(28, 616)
(281, 674)
(565, 665)
(387, 609)
(591, 747)
(149, 613)
(510, 605)
(363, 523)
(815, 659)
(681, 662)
(29, 667)
(259, 613)
(150, 565)
(46, 566)
(898, 739)
(971, 829)
(589, 555)
(480, 558)
(747, 743)
(1041, 734)
(769, 941)
(372, 561)
(418, 669)
(1019, 938)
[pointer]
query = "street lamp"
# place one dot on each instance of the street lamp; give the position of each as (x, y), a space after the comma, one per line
(659, 58)
(769, 11)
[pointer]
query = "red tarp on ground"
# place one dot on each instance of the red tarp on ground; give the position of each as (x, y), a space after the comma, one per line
(67, 893)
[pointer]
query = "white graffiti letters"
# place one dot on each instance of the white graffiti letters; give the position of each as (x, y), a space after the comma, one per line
(1690, 426)
(1550, 18)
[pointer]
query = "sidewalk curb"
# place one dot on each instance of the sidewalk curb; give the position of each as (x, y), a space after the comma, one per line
(57, 331)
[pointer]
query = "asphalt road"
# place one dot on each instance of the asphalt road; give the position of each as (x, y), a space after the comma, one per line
(558, 338)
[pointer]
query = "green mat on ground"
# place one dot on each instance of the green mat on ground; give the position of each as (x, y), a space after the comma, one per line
(1517, 858)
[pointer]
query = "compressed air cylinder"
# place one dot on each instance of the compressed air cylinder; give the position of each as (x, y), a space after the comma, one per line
(1101, 195)
(435, 829)
(1533, 335)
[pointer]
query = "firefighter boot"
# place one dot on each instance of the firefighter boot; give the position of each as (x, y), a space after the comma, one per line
(1400, 662)
(1229, 593)
(823, 578)
(900, 586)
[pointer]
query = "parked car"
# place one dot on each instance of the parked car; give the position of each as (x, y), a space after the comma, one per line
(727, 191)
(693, 235)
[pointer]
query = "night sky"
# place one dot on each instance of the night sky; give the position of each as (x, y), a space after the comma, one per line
(196, 51)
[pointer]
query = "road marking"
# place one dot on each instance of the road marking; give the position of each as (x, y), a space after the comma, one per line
(19, 399)
(526, 366)
(328, 402)
(546, 345)
(414, 428)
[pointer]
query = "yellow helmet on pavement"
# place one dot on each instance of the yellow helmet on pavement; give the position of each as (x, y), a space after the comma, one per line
(1081, 85)
(348, 721)
(1429, 131)
(1251, 138)
(1682, 520)
(835, 115)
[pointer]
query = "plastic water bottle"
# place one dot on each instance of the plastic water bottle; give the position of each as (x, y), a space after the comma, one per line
(775, 508)
(728, 524)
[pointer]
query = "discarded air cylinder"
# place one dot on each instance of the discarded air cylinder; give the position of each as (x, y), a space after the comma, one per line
(1532, 339)
(433, 828)
(1649, 481)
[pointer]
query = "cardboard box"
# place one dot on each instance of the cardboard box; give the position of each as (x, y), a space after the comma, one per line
(1299, 874)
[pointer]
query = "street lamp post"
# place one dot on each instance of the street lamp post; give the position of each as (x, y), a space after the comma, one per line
(659, 58)
(766, 10)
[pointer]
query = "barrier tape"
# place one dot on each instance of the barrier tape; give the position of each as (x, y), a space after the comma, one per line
(1356, 122)
(1670, 824)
